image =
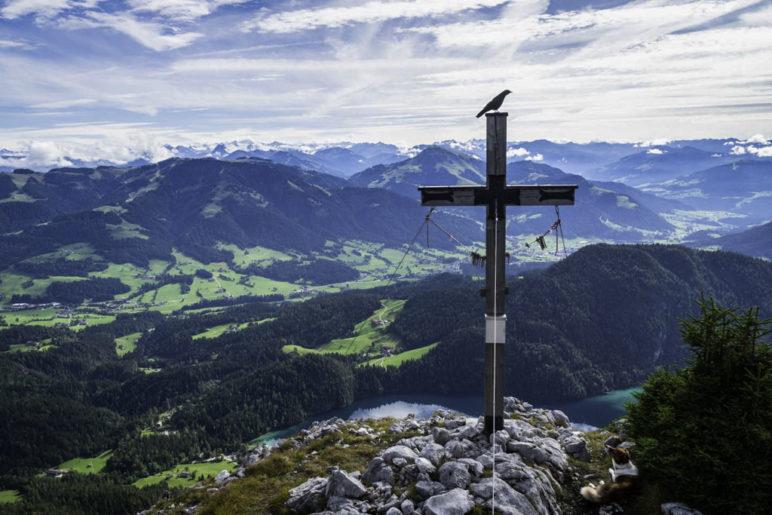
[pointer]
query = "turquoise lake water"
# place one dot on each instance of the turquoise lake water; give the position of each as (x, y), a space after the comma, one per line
(585, 414)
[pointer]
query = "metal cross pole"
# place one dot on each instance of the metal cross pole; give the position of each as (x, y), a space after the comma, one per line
(496, 195)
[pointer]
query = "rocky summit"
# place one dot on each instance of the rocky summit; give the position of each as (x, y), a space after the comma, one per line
(443, 465)
(451, 467)
(447, 466)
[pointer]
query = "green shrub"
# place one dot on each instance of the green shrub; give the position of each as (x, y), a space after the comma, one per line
(704, 432)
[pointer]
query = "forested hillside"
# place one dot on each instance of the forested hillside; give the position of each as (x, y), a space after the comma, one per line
(601, 319)
(134, 215)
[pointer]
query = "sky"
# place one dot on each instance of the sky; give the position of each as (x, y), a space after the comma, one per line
(112, 79)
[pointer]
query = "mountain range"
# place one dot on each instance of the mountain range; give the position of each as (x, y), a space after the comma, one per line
(602, 210)
(756, 241)
(196, 205)
(743, 187)
(142, 213)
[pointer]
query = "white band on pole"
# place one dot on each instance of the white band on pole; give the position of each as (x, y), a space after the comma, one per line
(495, 328)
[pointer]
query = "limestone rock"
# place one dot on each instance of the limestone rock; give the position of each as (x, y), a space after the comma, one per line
(307, 497)
(378, 471)
(428, 489)
(677, 508)
(456, 502)
(561, 419)
(461, 449)
(399, 451)
(508, 500)
(434, 452)
(441, 435)
(222, 476)
(475, 467)
(342, 484)
(425, 466)
(528, 451)
(454, 474)
(577, 447)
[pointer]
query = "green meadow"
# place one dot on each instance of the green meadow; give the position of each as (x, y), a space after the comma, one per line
(197, 470)
(86, 465)
(397, 359)
(9, 496)
(369, 335)
(125, 344)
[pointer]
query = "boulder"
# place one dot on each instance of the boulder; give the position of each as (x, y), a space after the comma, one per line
(511, 470)
(425, 466)
(454, 423)
(378, 471)
(456, 502)
(475, 467)
(454, 474)
(427, 489)
(307, 497)
(399, 451)
(339, 504)
(508, 500)
(528, 451)
(561, 419)
(501, 437)
(222, 476)
(469, 432)
(441, 435)
(677, 508)
(461, 449)
(577, 447)
(342, 484)
(433, 452)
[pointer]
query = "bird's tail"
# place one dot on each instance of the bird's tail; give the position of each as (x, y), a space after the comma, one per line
(480, 113)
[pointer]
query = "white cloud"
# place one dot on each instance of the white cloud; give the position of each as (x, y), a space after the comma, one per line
(737, 150)
(6, 44)
(149, 34)
(44, 153)
(44, 9)
(370, 12)
(764, 152)
(757, 138)
(116, 143)
(535, 157)
(656, 151)
(677, 69)
(180, 10)
(517, 152)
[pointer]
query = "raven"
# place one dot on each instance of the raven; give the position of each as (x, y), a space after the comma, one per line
(494, 104)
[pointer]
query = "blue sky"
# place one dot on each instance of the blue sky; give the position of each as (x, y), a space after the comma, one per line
(112, 79)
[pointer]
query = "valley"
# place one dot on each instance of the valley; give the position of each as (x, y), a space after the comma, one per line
(180, 310)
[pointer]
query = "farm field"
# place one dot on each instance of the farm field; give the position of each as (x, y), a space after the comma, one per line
(397, 359)
(375, 263)
(369, 335)
(86, 465)
(125, 344)
(195, 469)
(9, 496)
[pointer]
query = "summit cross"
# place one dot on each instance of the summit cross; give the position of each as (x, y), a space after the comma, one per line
(496, 196)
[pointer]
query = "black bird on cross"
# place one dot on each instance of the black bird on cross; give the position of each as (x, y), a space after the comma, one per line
(494, 104)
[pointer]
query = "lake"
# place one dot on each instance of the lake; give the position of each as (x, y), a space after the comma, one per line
(585, 414)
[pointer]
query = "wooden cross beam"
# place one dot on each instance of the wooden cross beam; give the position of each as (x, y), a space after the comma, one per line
(496, 196)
